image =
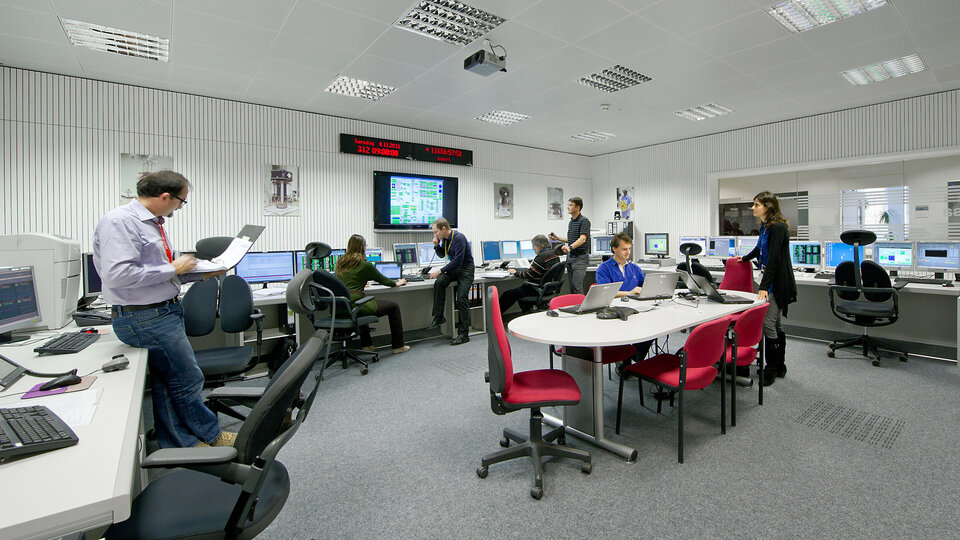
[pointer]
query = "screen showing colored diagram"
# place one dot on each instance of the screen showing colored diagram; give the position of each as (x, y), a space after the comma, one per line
(415, 200)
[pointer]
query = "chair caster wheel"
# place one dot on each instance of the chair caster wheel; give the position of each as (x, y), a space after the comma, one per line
(536, 493)
(562, 440)
(903, 358)
(832, 346)
(876, 363)
(376, 358)
(831, 354)
(363, 371)
(482, 472)
(504, 442)
(586, 468)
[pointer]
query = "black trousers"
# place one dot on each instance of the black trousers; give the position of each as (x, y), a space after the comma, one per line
(392, 311)
(509, 297)
(463, 277)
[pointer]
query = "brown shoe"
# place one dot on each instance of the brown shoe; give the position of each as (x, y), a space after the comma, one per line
(369, 349)
(226, 438)
(201, 444)
(401, 350)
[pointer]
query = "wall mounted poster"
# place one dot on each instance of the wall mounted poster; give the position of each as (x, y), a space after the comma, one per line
(554, 203)
(281, 190)
(133, 167)
(503, 201)
(625, 202)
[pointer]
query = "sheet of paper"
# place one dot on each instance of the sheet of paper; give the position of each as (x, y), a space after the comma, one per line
(74, 408)
(496, 274)
(228, 259)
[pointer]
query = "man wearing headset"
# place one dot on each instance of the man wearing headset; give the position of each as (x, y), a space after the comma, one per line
(453, 245)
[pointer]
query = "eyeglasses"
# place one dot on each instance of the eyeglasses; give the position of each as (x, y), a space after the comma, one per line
(182, 201)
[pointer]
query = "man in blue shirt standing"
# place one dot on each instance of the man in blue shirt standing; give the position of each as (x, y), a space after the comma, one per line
(141, 280)
(459, 270)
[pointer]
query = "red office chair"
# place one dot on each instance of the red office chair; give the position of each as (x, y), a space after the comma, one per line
(691, 369)
(526, 390)
(611, 355)
(738, 276)
(745, 346)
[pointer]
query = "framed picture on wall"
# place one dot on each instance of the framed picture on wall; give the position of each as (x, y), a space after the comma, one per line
(133, 167)
(281, 190)
(503, 201)
(554, 203)
(625, 202)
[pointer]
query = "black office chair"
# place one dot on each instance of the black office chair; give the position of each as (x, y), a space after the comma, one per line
(346, 322)
(208, 248)
(698, 270)
(689, 249)
(548, 288)
(315, 251)
(862, 294)
(228, 492)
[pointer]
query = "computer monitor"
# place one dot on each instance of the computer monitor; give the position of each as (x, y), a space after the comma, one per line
(18, 302)
(526, 249)
(301, 258)
(491, 250)
(405, 253)
(329, 263)
(837, 252)
(427, 254)
(392, 270)
(266, 267)
(806, 254)
(702, 240)
(601, 245)
(92, 286)
(509, 250)
(745, 244)
(656, 244)
(374, 254)
(943, 256)
(895, 255)
(722, 246)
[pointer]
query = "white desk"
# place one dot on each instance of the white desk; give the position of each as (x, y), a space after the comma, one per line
(585, 420)
(89, 485)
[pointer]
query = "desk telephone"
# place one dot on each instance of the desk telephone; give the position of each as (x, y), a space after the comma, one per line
(92, 318)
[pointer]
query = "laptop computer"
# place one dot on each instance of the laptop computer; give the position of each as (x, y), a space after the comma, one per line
(657, 286)
(700, 284)
(598, 297)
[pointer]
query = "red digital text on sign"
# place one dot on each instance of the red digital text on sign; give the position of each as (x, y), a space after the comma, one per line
(439, 151)
(377, 148)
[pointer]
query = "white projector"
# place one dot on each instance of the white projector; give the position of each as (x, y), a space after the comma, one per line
(484, 62)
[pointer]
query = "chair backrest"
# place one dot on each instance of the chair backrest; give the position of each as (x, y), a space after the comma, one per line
(332, 282)
(316, 250)
(553, 279)
(749, 327)
(706, 343)
(698, 269)
(499, 359)
(738, 276)
(873, 275)
(208, 248)
(298, 293)
(200, 307)
(845, 275)
(236, 304)
(565, 300)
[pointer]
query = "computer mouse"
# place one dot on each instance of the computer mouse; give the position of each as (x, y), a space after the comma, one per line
(116, 363)
(607, 314)
(552, 313)
(64, 380)
(89, 330)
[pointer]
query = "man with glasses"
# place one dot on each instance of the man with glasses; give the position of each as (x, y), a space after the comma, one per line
(141, 280)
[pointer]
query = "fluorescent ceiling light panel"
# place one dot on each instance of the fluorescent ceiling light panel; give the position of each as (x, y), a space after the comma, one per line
(594, 136)
(703, 112)
(348, 86)
(800, 15)
(614, 79)
(504, 118)
(881, 71)
(447, 20)
(117, 41)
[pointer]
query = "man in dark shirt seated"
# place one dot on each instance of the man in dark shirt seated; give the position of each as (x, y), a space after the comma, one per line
(544, 260)
(453, 245)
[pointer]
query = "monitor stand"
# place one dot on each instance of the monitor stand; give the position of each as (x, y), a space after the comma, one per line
(8, 337)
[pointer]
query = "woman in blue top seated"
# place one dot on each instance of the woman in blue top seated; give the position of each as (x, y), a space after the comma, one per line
(619, 268)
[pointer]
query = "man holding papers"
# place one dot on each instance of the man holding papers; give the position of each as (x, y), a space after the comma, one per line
(141, 280)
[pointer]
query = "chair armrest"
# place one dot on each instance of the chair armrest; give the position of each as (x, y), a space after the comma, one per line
(900, 285)
(257, 314)
(236, 392)
(184, 457)
(364, 300)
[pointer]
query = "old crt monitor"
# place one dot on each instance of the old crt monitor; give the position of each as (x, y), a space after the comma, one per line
(392, 270)
(374, 254)
(701, 240)
(56, 269)
(18, 302)
(92, 286)
(601, 245)
(266, 267)
(722, 246)
(657, 244)
(405, 253)
(491, 251)
(745, 245)
(509, 250)
(412, 202)
(894, 255)
(526, 249)
(944, 256)
(805, 254)
(837, 252)
(427, 254)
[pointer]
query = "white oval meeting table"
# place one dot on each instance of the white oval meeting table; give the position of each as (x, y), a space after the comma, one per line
(585, 421)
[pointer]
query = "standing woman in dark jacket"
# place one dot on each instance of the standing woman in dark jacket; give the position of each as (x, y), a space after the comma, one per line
(777, 285)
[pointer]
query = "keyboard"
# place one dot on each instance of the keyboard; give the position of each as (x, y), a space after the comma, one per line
(412, 277)
(926, 281)
(67, 343)
(30, 430)
(265, 293)
(824, 275)
(715, 268)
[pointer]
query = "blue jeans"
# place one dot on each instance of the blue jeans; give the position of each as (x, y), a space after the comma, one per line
(180, 417)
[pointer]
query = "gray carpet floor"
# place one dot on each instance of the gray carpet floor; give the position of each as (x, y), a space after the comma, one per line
(839, 449)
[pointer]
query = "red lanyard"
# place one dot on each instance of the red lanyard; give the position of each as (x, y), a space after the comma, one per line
(165, 245)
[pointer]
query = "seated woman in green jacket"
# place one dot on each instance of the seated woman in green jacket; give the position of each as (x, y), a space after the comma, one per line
(354, 270)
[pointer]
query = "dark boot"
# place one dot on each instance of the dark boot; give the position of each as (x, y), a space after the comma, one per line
(782, 366)
(772, 358)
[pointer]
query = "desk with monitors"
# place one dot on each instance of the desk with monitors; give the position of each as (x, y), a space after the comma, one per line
(722, 246)
(266, 267)
(807, 255)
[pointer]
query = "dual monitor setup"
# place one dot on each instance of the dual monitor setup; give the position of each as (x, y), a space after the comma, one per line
(902, 256)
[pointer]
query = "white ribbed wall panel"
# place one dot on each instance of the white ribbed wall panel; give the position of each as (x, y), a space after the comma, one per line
(63, 136)
(674, 195)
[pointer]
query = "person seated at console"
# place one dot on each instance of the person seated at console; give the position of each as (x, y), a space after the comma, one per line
(619, 268)
(545, 258)
(354, 271)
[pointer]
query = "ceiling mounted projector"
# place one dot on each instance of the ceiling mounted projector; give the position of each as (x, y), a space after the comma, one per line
(484, 62)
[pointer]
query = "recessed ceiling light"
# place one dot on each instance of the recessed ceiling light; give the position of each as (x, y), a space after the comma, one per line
(613, 79)
(505, 118)
(800, 15)
(117, 41)
(881, 71)
(448, 20)
(594, 136)
(348, 86)
(703, 112)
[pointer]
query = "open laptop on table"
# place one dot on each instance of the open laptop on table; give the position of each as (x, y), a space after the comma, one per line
(598, 297)
(700, 284)
(657, 286)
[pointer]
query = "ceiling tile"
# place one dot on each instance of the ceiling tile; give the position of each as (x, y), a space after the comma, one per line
(295, 75)
(937, 35)
(33, 5)
(507, 9)
(136, 67)
(446, 83)
(748, 31)
(568, 93)
(861, 28)
(813, 86)
(14, 49)
(271, 92)
(413, 99)
(72, 69)
(885, 48)
(942, 57)
(625, 38)
(414, 49)
(746, 102)
(949, 74)
(703, 74)
(32, 25)
(126, 78)
(143, 16)
(224, 61)
(524, 44)
(688, 16)
(634, 5)
(508, 87)
(221, 33)
(783, 51)
(392, 113)
(326, 24)
(570, 63)
(264, 14)
(222, 83)
(341, 106)
(731, 88)
(668, 58)
(917, 13)
(802, 70)
(297, 50)
(380, 70)
(570, 20)
(831, 101)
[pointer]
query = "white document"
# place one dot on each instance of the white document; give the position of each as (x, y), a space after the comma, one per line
(228, 259)
(74, 408)
(496, 274)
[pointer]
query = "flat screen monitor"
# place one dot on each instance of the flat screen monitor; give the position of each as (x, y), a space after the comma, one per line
(722, 246)
(601, 245)
(412, 202)
(266, 267)
(92, 286)
(837, 252)
(656, 244)
(491, 250)
(300, 257)
(392, 270)
(893, 254)
(509, 249)
(805, 254)
(702, 240)
(745, 244)
(526, 249)
(427, 255)
(405, 253)
(938, 256)
(18, 301)
(374, 254)
(329, 263)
